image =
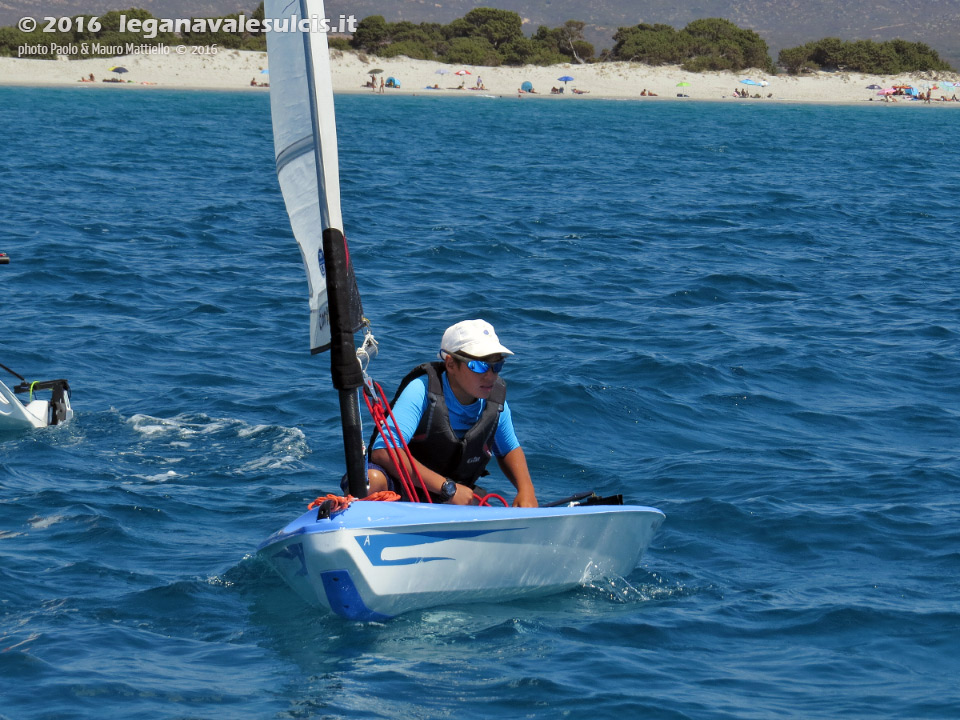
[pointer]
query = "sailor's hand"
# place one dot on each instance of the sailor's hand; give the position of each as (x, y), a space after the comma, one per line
(464, 496)
(526, 498)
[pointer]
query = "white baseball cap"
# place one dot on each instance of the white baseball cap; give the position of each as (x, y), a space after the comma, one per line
(475, 338)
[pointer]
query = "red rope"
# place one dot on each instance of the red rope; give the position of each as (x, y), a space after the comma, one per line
(376, 411)
(343, 502)
(393, 447)
(485, 500)
(382, 496)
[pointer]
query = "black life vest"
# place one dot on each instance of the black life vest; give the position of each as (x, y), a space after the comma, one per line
(436, 445)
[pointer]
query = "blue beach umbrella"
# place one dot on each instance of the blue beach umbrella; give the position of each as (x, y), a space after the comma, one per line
(748, 81)
(565, 79)
(527, 86)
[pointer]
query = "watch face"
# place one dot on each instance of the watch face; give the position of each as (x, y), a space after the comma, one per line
(448, 489)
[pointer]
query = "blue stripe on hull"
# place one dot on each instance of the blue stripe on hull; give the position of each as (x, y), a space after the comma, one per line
(374, 545)
(344, 598)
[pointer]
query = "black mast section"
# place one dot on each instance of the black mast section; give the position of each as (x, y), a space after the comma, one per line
(344, 366)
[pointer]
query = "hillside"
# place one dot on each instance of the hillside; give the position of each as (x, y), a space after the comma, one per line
(782, 23)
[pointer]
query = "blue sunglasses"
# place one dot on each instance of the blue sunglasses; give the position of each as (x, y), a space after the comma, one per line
(480, 366)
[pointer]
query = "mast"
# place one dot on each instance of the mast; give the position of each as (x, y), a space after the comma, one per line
(344, 367)
(305, 139)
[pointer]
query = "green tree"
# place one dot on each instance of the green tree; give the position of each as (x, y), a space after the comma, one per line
(371, 35)
(651, 44)
(709, 44)
(429, 34)
(796, 60)
(410, 49)
(866, 56)
(828, 53)
(10, 41)
(499, 27)
(566, 40)
(471, 51)
(521, 51)
(729, 45)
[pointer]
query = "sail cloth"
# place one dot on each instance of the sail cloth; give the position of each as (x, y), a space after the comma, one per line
(305, 142)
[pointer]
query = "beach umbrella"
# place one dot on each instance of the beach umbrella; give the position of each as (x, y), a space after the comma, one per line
(874, 87)
(442, 71)
(886, 91)
(463, 72)
(118, 69)
(748, 81)
(683, 84)
(527, 86)
(265, 71)
(565, 79)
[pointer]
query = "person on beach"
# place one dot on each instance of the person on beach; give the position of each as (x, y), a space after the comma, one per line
(454, 416)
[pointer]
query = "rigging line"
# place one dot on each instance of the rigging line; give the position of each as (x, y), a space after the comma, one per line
(15, 374)
(406, 448)
(406, 481)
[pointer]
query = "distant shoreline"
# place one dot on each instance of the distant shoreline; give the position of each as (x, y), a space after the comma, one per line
(235, 70)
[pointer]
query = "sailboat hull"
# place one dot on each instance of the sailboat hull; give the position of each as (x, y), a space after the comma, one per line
(376, 560)
(14, 415)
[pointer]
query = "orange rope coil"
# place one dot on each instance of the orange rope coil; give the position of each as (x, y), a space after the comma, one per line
(343, 502)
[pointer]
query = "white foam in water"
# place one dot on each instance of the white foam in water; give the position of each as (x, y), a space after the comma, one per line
(42, 523)
(160, 477)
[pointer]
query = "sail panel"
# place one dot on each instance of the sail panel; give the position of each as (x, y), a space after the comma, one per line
(304, 129)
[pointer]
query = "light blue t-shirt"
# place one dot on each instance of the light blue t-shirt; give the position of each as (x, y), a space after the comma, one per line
(412, 402)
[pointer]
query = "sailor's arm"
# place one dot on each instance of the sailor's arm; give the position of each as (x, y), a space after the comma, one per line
(381, 456)
(514, 466)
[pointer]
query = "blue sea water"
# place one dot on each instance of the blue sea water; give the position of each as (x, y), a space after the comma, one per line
(746, 315)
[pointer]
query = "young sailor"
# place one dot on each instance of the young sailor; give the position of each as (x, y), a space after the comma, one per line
(454, 416)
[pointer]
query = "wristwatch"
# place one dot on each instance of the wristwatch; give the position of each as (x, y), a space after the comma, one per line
(447, 490)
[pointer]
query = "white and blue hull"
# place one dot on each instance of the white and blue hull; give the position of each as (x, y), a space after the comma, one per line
(379, 559)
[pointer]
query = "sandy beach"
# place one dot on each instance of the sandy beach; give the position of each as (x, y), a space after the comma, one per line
(235, 70)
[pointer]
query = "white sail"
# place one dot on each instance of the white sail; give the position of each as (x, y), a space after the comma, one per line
(305, 142)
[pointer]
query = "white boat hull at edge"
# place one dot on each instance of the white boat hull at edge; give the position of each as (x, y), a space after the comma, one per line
(14, 415)
(375, 560)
